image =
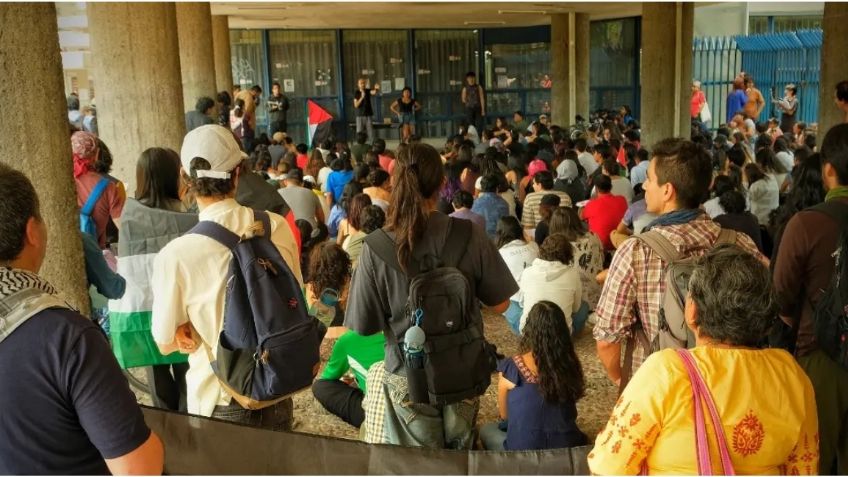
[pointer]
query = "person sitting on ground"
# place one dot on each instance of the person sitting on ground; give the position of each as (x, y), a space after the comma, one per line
(350, 225)
(359, 148)
(730, 307)
(489, 204)
(543, 184)
(418, 229)
(337, 180)
(735, 217)
(202, 114)
(721, 184)
(322, 168)
(371, 218)
(620, 185)
(518, 253)
(108, 203)
(379, 188)
(570, 179)
(462, 203)
(588, 253)
(189, 277)
(302, 160)
(604, 212)
(387, 162)
(329, 272)
(547, 206)
(277, 149)
(66, 406)
(553, 276)
(538, 389)
(634, 221)
(763, 192)
(678, 180)
(303, 202)
(339, 211)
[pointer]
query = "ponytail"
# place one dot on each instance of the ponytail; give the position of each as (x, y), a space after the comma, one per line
(417, 178)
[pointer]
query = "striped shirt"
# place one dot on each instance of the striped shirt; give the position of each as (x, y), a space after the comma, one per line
(635, 285)
(530, 215)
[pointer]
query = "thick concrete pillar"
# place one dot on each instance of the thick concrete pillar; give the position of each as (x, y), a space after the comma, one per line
(569, 67)
(40, 145)
(197, 63)
(834, 63)
(136, 69)
(666, 70)
(221, 52)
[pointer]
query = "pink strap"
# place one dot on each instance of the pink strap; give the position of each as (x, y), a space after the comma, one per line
(701, 395)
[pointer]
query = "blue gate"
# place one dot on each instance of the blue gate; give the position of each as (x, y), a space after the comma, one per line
(774, 60)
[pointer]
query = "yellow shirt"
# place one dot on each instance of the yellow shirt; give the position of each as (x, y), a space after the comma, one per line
(189, 285)
(764, 399)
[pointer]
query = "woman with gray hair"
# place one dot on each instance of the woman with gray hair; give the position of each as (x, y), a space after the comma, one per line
(755, 406)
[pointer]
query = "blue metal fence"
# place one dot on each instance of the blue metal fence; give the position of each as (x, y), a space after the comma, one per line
(773, 60)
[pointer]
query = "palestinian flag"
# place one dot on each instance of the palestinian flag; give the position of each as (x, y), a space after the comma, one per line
(320, 123)
(144, 232)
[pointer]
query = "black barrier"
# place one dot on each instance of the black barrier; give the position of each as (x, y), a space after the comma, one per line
(197, 445)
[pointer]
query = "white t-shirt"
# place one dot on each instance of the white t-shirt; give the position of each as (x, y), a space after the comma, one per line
(189, 285)
(765, 197)
(323, 174)
(587, 160)
(551, 281)
(786, 158)
(519, 255)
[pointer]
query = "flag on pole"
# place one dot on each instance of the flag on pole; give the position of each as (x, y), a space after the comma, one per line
(320, 123)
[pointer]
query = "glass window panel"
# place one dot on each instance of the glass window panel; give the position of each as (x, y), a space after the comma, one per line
(379, 56)
(502, 103)
(443, 58)
(522, 66)
(307, 59)
(613, 59)
(248, 65)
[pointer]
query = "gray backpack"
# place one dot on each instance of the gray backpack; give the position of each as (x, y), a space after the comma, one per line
(673, 331)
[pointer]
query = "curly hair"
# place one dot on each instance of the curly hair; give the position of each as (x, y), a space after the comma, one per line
(547, 336)
(744, 308)
(208, 187)
(371, 218)
(329, 267)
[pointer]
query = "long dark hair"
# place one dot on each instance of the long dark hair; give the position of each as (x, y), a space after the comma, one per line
(417, 178)
(807, 190)
(547, 336)
(157, 174)
(509, 229)
(357, 204)
(566, 221)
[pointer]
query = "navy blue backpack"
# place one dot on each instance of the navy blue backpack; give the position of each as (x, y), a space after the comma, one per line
(269, 345)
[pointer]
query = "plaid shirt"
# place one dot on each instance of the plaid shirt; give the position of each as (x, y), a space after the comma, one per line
(374, 404)
(635, 285)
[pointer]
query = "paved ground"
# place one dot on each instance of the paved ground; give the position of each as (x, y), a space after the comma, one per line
(593, 409)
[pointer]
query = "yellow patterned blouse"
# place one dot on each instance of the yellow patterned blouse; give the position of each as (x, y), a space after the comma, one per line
(764, 399)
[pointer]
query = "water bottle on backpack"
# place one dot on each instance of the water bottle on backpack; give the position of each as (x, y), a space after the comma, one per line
(325, 308)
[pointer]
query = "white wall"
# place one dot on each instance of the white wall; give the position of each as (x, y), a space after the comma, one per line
(723, 19)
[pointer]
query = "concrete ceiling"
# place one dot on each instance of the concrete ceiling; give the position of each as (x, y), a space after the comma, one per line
(410, 14)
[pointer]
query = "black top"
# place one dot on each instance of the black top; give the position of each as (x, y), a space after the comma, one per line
(64, 403)
(364, 108)
(378, 292)
(406, 107)
(745, 223)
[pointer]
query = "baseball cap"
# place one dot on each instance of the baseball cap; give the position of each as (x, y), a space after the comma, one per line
(217, 145)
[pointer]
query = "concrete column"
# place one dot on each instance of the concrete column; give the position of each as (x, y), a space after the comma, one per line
(666, 70)
(221, 50)
(197, 63)
(569, 67)
(40, 145)
(136, 70)
(834, 64)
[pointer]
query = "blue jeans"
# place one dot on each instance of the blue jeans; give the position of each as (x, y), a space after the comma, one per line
(492, 436)
(578, 319)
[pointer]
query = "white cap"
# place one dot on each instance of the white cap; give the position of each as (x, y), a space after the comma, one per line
(217, 145)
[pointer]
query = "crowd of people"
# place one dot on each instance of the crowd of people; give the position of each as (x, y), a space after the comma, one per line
(720, 243)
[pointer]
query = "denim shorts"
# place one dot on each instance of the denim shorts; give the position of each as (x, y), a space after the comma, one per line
(407, 118)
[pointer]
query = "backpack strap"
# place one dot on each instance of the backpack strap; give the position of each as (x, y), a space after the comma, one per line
(383, 245)
(660, 245)
(725, 236)
(94, 197)
(262, 216)
(216, 232)
(459, 233)
(836, 210)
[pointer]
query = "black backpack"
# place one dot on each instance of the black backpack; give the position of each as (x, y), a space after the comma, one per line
(831, 311)
(458, 362)
(269, 346)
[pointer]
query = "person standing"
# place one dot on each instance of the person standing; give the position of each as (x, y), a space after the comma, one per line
(788, 107)
(737, 98)
(278, 106)
(842, 98)
(405, 107)
(363, 107)
(201, 115)
(755, 104)
(251, 102)
(697, 102)
(474, 99)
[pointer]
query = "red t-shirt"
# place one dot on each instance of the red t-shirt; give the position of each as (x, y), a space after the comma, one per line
(302, 161)
(386, 163)
(109, 205)
(603, 214)
(695, 105)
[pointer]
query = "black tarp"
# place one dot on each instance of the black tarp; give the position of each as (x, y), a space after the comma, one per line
(197, 445)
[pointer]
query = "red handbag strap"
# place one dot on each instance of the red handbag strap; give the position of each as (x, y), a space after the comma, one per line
(701, 395)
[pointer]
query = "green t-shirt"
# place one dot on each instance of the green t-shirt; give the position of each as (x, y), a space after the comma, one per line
(355, 352)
